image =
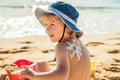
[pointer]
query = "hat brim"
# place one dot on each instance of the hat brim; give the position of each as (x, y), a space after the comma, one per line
(39, 12)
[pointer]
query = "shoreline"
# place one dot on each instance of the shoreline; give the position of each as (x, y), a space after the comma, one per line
(104, 48)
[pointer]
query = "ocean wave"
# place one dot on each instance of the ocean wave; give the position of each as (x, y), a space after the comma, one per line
(79, 7)
(98, 7)
(17, 21)
(16, 6)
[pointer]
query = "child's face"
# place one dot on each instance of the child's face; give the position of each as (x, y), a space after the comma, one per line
(54, 28)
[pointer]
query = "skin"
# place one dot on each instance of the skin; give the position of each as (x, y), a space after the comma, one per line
(67, 68)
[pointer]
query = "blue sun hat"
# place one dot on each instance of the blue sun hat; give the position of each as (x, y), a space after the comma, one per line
(65, 11)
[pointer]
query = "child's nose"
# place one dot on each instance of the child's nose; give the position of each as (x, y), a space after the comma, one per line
(48, 28)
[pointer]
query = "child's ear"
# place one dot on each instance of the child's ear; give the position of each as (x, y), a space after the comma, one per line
(67, 29)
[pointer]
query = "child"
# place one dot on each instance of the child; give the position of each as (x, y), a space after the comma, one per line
(72, 57)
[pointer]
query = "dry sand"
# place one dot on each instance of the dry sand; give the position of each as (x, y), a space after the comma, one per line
(104, 48)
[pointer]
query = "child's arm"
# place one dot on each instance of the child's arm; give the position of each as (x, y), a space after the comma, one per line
(62, 69)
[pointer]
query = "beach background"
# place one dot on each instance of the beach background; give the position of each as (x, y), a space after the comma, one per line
(23, 37)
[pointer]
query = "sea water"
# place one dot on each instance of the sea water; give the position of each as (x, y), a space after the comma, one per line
(96, 17)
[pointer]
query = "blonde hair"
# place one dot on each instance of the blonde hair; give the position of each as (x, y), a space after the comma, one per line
(50, 17)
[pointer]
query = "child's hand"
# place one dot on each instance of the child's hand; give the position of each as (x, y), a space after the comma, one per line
(26, 71)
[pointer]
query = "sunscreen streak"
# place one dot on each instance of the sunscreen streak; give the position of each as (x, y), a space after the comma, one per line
(75, 50)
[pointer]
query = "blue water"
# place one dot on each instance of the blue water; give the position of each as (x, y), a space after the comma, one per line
(96, 16)
(83, 4)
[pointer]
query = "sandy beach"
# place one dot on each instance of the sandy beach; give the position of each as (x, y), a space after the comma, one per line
(104, 48)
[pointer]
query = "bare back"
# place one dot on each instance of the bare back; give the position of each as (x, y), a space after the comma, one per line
(79, 60)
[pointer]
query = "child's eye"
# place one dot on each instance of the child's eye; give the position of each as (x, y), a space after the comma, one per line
(52, 24)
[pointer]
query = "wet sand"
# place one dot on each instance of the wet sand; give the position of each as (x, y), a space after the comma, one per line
(104, 48)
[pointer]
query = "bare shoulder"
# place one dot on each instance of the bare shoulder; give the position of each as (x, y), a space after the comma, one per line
(61, 47)
(73, 46)
(62, 57)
